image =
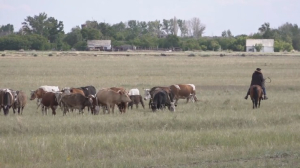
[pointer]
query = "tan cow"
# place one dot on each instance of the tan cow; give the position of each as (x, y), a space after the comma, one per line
(20, 102)
(122, 106)
(110, 98)
(184, 91)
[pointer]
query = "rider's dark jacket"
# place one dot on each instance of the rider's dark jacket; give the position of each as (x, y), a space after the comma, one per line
(257, 79)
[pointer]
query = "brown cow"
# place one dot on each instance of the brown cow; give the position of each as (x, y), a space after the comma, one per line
(77, 90)
(20, 102)
(110, 98)
(136, 99)
(76, 101)
(40, 92)
(49, 101)
(122, 106)
(184, 91)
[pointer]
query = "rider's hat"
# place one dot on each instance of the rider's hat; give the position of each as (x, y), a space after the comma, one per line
(258, 69)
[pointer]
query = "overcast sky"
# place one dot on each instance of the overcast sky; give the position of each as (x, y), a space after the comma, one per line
(240, 16)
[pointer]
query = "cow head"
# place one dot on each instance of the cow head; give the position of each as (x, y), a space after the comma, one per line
(172, 107)
(147, 94)
(58, 96)
(153, 106)
(94, 101)
(125, 98)
(33, 94)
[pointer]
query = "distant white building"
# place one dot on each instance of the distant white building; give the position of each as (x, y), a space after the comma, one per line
(99, 45)
(268, 45)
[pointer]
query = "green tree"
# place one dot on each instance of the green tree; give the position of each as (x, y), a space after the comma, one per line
(171, 41)
(73, 37)
(81, 46)
(214, 45)
(42, 25)
(258, 47)
(166, 25)
(90, 34)
(6, 29)
(282, 46)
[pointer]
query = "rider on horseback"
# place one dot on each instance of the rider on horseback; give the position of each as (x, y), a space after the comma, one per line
(258, 79)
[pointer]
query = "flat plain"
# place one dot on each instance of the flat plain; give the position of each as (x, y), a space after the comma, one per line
(220, 130)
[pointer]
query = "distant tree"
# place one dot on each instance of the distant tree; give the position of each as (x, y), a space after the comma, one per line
(81, 46)
(258, 47)
(166, 26)
(173, 26)
(91, 24)
(171, 41)
(183, 27)
(266, 31)
(226, 33)
(90, 34)
(214, 45)
(42, 25)
(282, 46)
(6, 29)
(74, 36)
(154, 28)
(196, 28)
(190, 44)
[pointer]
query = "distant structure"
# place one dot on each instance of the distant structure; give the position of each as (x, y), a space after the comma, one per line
(100, 45)
(268, 45)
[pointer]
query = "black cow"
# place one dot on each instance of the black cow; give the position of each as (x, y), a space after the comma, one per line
(88, 90)
(159, 100)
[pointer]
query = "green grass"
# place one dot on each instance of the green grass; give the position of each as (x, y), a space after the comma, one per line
(221, 130)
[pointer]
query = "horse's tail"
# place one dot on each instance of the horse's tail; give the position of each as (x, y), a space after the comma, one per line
(255, 96)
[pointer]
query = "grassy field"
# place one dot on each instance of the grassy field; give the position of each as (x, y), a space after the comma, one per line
(221, 130)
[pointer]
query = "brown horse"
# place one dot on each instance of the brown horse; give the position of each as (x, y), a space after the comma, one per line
(256, 93)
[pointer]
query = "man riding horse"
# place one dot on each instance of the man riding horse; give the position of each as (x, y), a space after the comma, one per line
(258, 79)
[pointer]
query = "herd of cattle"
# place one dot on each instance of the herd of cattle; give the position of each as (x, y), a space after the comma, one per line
(70, 99)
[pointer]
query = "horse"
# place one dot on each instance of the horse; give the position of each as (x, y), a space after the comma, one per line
(256, 95)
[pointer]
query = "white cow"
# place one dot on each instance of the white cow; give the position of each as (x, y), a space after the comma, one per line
(134, 91)
(50, 88)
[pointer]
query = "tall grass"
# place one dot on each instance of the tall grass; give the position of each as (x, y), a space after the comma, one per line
(221, 130)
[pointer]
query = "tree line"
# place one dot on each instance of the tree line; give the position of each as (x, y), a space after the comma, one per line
(40, 32)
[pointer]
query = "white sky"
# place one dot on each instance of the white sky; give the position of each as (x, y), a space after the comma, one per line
(240, 16)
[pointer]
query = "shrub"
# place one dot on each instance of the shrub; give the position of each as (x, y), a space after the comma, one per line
(50, 55)
(2, 55)
(35, 55)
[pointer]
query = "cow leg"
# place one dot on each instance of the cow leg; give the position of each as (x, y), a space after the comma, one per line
(22, 110)
(19, 108)
(108, 108)
(53, 110)
(42, 110)
(176, 100)
(113, 109)
(150, 101)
